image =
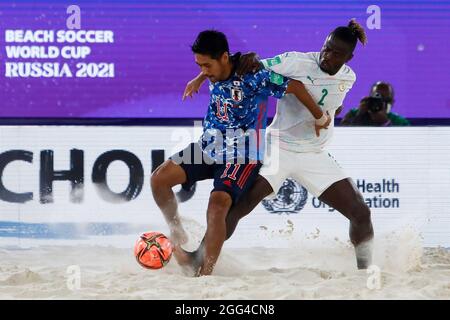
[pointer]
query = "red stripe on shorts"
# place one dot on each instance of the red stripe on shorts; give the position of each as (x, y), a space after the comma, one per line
(245, 175)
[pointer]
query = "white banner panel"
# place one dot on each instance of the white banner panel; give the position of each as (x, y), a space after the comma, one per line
(88, 183)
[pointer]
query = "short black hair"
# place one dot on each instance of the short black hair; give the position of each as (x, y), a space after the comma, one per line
(351, 34)
(211, 42)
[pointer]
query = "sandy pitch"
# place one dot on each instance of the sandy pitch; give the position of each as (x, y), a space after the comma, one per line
(314, 268)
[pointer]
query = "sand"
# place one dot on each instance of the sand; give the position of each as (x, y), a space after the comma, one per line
(315, 267)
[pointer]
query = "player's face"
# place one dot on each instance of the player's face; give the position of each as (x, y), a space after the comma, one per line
(334, 54)
(214, 69)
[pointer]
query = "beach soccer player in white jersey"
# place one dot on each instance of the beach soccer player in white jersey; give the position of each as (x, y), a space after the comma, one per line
(300, 152)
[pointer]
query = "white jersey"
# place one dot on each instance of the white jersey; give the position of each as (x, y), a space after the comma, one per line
(293, 122)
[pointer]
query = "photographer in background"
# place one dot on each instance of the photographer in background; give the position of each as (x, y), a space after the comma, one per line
(375, 110)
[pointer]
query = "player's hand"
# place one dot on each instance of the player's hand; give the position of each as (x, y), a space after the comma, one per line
(248, 62)
(192, 87)
(318, 126)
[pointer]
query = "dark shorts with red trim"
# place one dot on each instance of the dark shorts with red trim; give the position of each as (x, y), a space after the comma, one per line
(233, 178)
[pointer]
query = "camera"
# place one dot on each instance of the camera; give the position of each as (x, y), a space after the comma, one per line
(376, 103)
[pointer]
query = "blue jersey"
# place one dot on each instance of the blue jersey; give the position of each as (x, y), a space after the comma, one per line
(237, 114)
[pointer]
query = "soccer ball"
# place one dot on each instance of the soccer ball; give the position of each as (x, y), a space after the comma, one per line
(153, 250)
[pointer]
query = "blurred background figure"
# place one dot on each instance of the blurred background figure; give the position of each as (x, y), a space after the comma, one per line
(375, 110)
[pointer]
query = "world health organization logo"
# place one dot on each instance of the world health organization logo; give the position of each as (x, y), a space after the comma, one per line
(291, 198)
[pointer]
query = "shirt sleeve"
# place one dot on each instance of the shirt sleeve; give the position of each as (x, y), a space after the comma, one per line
(287, 64)
(269, 83)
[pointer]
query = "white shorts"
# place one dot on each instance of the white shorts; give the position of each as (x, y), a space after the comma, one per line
(316, 171)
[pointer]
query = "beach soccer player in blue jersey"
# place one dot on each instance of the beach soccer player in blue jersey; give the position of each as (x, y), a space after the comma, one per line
(230, 148)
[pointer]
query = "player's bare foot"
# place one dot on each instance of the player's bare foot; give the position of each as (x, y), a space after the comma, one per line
(187, 261)
(183, 257)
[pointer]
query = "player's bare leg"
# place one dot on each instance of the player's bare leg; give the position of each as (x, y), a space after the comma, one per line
(346, 198)
(216, 230)
(259, 190)
(163, 179)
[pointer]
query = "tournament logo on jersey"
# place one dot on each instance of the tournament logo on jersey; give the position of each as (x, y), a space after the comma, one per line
(273, 61)
(291, 198)
(236, 94)
(342, 86)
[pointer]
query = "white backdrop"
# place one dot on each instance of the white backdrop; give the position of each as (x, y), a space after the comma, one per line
(414, 164)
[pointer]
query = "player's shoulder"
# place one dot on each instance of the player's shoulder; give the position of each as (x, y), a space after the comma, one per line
(347, 73)
(255, 77)
(299, 56)
(289, 57)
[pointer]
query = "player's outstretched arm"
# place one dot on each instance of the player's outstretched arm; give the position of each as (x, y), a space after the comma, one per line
(194, 85)
(297, 88)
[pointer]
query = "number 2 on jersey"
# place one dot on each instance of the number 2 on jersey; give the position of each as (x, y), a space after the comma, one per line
(325, 93)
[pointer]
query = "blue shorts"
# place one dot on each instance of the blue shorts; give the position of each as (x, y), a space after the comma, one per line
(233, 178)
